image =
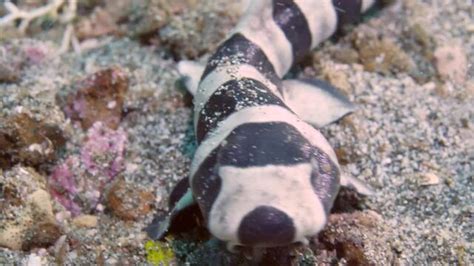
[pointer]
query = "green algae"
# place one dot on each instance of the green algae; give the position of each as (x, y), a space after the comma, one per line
(158, 253)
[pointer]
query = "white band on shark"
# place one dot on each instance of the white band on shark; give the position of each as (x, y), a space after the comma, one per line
(321, 18)
(259, 114)
(258, 26)
(287, 188)
(223, 74)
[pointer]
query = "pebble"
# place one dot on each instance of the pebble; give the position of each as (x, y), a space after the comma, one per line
(429, 179)
(451, 63)
(345, 55)
(8, 74)
(128, 201)
(41, 234)
(99, 23)
(11, 237)
(28, 220)
(34, 260)
(28, 140)
(470, 28)
(85, 221)
(40, 200)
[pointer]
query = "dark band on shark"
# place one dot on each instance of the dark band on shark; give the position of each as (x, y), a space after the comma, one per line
(292, 22)
(348, 12)
(261, 144)
(239, 50)
(322, 178)
(228, 98)
(257, 140)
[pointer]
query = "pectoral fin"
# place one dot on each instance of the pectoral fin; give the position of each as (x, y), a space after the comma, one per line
(316, 101)
(191, 72)
(162, 223)
(358, 185)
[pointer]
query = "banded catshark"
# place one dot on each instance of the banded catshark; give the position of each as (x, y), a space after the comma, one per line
(263, 175)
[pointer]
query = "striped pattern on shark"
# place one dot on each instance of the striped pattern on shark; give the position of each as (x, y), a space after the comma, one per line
(263, 175)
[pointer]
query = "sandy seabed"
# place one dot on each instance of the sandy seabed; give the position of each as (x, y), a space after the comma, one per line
(409, 68)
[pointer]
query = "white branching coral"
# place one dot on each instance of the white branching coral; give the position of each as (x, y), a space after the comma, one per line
(68, 13)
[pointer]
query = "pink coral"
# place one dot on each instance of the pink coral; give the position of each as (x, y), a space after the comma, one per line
(63, 185)
(35, 54)
(103, 151)
(79, 181)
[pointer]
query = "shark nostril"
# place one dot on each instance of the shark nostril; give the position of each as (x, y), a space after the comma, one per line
(266, 226)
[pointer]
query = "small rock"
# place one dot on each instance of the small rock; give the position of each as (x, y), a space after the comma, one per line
(345, 55)
(33, 260)
(85, 221)
(8, 74)
(41, 234)
(451, 63)
(11, 237)
(374, 215)
(41, 204)
(428, 179)
(344, 155)
(91, 102)
(359, 238)
(9, 196)
(28, 230)
(470, 28)
(27, 219)
(27, 140)
(128, 201)
(419, 34)
(98, 24)
(12, 59)
(470, 88)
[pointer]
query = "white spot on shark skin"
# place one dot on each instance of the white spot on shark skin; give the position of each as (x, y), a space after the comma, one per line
(287, 188)
(321, 17)
(258, 26)
(259, 114)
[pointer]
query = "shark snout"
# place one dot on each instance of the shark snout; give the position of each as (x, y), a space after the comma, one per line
(266, 226)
